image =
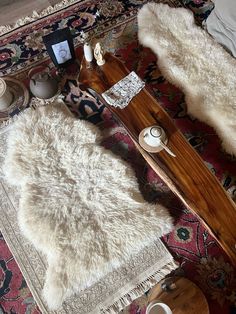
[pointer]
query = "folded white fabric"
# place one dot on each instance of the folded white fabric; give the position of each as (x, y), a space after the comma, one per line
(221, 24)
(120, 94)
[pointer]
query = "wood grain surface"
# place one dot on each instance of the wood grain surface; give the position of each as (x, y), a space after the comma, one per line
(186, 298)
(186, 175)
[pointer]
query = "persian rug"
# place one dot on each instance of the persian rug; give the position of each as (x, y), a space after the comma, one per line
(201, 8)
(190, 59)
(90, 243)
(24, 46)
(35, 15)
(201, 259)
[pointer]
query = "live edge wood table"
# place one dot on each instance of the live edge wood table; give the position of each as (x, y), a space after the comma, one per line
(186, 174)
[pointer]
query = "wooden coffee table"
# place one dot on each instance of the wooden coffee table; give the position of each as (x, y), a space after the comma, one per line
(186, 175)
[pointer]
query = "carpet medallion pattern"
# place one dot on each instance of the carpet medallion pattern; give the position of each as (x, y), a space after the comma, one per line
(201, 259)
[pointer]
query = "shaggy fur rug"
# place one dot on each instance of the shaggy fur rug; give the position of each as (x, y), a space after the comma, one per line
(80, 204)
(190, 59)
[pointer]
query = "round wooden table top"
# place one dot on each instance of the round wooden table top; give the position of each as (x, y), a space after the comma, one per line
(185, 298)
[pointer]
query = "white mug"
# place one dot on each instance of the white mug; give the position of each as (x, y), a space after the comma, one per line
(157, 307)
(5, 95)
(155, 136)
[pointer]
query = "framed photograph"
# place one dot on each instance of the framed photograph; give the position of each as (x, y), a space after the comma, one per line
(60, 47)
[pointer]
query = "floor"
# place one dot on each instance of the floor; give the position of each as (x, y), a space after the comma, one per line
(12, 10)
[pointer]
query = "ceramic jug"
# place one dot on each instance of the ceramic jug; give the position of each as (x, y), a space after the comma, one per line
(42, 84)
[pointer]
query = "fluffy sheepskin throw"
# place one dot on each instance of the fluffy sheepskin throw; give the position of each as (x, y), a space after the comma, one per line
(79, 203)
(190, 59)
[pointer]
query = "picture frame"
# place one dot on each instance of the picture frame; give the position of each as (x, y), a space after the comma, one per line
(60, 47)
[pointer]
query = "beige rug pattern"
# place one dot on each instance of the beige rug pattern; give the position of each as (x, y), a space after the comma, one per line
(109, 295)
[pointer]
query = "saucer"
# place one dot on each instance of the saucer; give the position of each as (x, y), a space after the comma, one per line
(20, 98)
(148, 148)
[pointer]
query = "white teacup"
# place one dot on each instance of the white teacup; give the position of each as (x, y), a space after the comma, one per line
(155, 137)
(5, 95)
(157, 307)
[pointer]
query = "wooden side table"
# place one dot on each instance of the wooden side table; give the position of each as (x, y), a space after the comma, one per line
(186, 298)
(186, 175)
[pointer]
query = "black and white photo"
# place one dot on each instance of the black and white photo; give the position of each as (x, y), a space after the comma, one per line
(60, 48)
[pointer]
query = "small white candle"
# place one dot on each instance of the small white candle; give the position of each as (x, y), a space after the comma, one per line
(88, 52)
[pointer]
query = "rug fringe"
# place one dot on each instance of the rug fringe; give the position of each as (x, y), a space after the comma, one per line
(6, 124)
(138, 291)
(33, 104)
(37, 15)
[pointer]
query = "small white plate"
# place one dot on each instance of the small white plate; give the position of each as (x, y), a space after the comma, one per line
(147, 147)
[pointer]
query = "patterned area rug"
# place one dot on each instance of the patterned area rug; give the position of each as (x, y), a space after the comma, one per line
(23, 46)
(33, 15)
(201, 259)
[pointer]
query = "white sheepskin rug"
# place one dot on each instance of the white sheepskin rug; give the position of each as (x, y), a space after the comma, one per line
(79, 203)
(190, 59)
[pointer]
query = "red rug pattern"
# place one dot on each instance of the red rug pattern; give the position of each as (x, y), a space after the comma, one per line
(201, 259)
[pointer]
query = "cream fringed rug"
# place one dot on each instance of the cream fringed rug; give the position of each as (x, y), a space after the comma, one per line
(190, 59)
(80, 206)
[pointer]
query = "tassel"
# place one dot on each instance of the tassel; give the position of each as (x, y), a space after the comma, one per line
(138, 291)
